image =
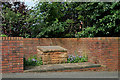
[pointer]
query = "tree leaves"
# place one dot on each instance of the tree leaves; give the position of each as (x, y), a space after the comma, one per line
(103, 18)
(63, 19)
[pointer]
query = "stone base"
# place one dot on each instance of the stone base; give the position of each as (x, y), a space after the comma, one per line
(52, 56)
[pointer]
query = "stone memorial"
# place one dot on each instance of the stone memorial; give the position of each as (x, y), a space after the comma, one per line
(52, 54)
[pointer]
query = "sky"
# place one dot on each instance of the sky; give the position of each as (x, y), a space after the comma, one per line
(29, 3)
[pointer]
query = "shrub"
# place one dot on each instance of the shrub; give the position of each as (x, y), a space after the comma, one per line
(76, 59)
(33, 61)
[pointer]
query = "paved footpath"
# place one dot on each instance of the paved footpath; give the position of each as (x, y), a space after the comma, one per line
(86, 74)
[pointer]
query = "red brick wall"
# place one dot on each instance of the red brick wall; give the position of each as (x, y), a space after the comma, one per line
(12, 54)
(30, 46)
(31, 43)
(101, 50)
(119, 54)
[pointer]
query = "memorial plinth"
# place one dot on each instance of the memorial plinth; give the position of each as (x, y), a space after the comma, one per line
(52, 54)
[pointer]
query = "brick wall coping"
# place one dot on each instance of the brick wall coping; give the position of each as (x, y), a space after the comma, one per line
(21, 38)
(11, 38)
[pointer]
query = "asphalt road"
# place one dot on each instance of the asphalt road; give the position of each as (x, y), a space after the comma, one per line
(62, 75)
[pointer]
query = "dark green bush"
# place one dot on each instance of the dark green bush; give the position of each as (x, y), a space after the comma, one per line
(32, 61)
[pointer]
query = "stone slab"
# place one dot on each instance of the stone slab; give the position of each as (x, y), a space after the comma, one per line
(55, 67)
(51, 49)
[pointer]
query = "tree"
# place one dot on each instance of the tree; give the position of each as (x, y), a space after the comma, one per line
(14, 21)
(55, 19)
(62, 19)
(100, 19)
